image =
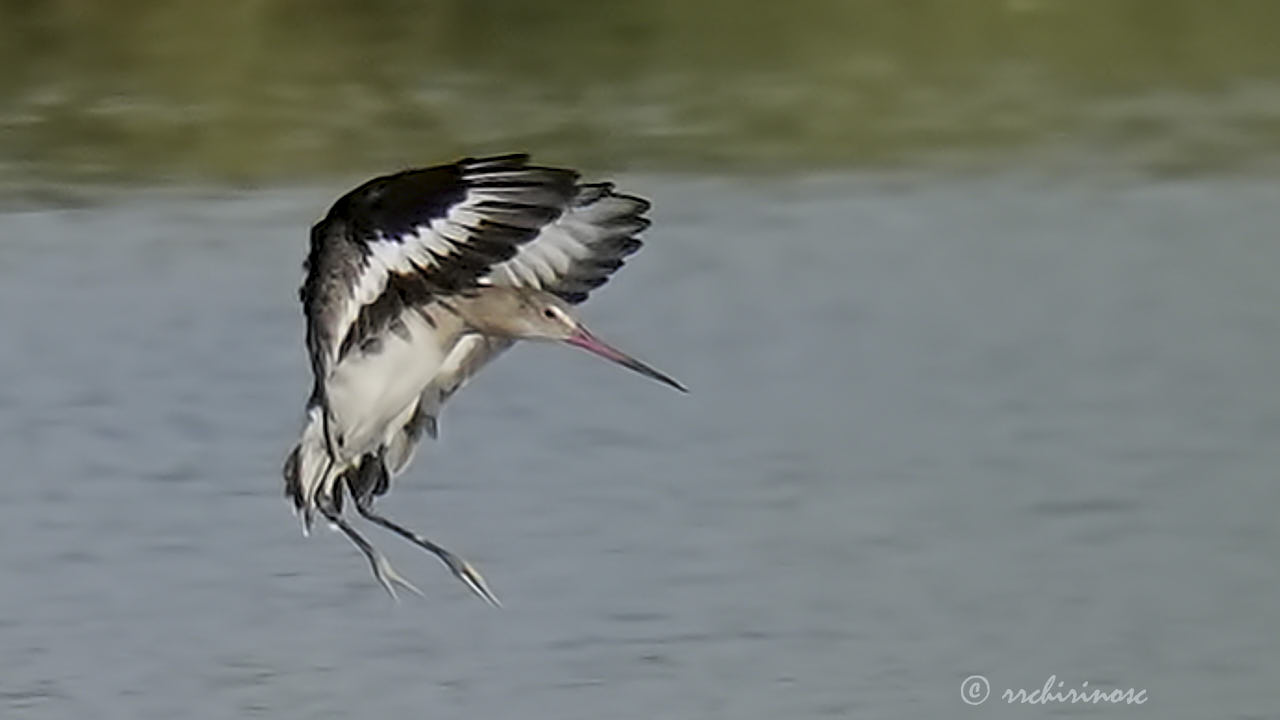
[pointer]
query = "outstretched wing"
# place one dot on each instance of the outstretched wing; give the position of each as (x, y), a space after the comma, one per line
(397, 240)
(580, 249)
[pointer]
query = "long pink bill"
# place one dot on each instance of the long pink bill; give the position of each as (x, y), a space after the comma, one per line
(584, 339)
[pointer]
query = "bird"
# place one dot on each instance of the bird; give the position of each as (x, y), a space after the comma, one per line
(414, 282)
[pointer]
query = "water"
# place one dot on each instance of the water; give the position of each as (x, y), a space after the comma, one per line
(938, 426)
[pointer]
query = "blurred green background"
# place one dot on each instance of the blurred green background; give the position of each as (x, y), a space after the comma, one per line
(246, 92)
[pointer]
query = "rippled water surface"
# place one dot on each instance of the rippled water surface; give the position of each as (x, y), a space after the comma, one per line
(938, 427)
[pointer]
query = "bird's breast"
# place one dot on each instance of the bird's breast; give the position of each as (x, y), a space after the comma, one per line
(375, 386)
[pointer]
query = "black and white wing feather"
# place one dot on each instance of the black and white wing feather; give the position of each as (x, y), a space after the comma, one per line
(579, 250)
(397, 240)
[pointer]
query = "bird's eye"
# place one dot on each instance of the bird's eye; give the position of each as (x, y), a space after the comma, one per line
(549, 314)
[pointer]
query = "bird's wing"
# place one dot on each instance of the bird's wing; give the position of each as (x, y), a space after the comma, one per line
(580, 249)
(569, 257)
(397, 240)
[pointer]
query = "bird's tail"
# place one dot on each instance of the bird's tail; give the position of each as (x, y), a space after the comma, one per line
(306, 468)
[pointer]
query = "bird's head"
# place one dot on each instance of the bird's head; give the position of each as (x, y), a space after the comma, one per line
(522, 314)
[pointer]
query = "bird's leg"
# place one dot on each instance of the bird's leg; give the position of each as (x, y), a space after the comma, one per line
(459, 567)
(382, 570)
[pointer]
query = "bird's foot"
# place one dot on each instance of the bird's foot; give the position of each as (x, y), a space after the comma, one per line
(470, 577)
(389, 578)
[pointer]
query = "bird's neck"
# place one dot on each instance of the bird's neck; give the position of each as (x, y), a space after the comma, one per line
(480, 310)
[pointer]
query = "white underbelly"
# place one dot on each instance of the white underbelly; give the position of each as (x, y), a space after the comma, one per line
(372, 395)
